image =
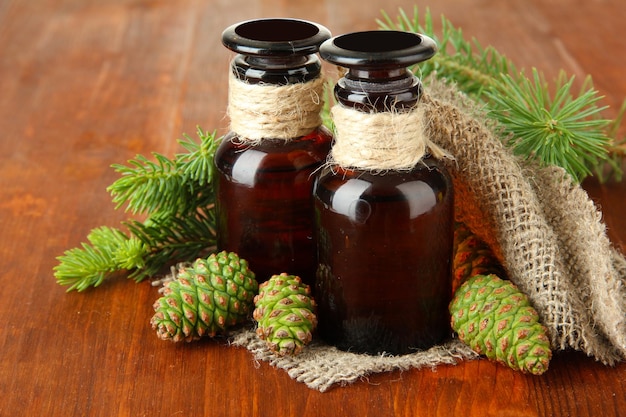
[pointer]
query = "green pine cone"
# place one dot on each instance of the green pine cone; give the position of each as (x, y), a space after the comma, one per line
(471, 256)
(495, 319)
(285, 313)
(206, 298)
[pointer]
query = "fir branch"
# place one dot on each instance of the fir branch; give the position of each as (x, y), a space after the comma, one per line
(81, 268)
(131, 254)
(89, 265)
(197, 164)
(147, 186)
(567, 129)
(178, 197)
(172, 238)
(468, 64)
(168, 185)
(560, 130)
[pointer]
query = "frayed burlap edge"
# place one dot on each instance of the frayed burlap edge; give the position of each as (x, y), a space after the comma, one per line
(321, 367)
(588, 254)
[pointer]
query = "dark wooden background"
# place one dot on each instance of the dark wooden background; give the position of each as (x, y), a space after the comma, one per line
(88, 83)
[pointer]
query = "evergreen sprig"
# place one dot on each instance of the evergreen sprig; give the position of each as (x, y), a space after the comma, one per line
(561, 130)
(565, 128)
(178, 198)
(108, 250)
(172, 238)
(147, 186)
(467, 63)
(172, 186)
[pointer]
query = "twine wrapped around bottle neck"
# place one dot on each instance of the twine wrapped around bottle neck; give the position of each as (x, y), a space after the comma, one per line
(381, 141)
(264, 111)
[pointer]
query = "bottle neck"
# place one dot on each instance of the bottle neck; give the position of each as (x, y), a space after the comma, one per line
(277, 70)
(274, 98)
(379, 90)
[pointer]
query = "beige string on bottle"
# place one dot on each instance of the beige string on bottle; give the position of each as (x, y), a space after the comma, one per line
(381, 141)
(264, 111)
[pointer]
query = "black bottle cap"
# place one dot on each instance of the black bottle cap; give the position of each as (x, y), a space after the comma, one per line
(275, 37)
(378, 49)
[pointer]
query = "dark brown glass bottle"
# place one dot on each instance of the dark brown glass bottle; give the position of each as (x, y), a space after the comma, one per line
(264, 189)
(384, 239)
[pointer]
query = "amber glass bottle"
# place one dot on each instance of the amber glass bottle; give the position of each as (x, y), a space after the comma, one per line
(264, 186)
(384, 236)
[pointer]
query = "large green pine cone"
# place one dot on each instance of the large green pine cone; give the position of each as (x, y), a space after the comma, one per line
(495, 319)
(285, 313)
(206, 298)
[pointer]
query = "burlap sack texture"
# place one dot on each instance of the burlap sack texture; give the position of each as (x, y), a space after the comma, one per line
(545, 230)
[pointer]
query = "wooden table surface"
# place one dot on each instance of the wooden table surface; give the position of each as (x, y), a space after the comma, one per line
(88, 83)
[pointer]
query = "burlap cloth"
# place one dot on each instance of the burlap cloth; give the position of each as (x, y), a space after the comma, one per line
(545, 230)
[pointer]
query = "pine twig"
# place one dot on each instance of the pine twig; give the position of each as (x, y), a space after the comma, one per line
(565, 129)
(472, 67)
(173, 238)
(178, 198)
(108, 250)
(559, 130)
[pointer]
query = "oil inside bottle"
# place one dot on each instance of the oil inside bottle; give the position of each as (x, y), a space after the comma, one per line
(265, 193)
(385, 245)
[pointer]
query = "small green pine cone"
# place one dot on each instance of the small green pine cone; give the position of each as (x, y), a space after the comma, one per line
(206, 298)
(494, 318)
(285, 313)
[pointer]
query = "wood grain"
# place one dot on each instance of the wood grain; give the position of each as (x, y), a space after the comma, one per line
(85, 84)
